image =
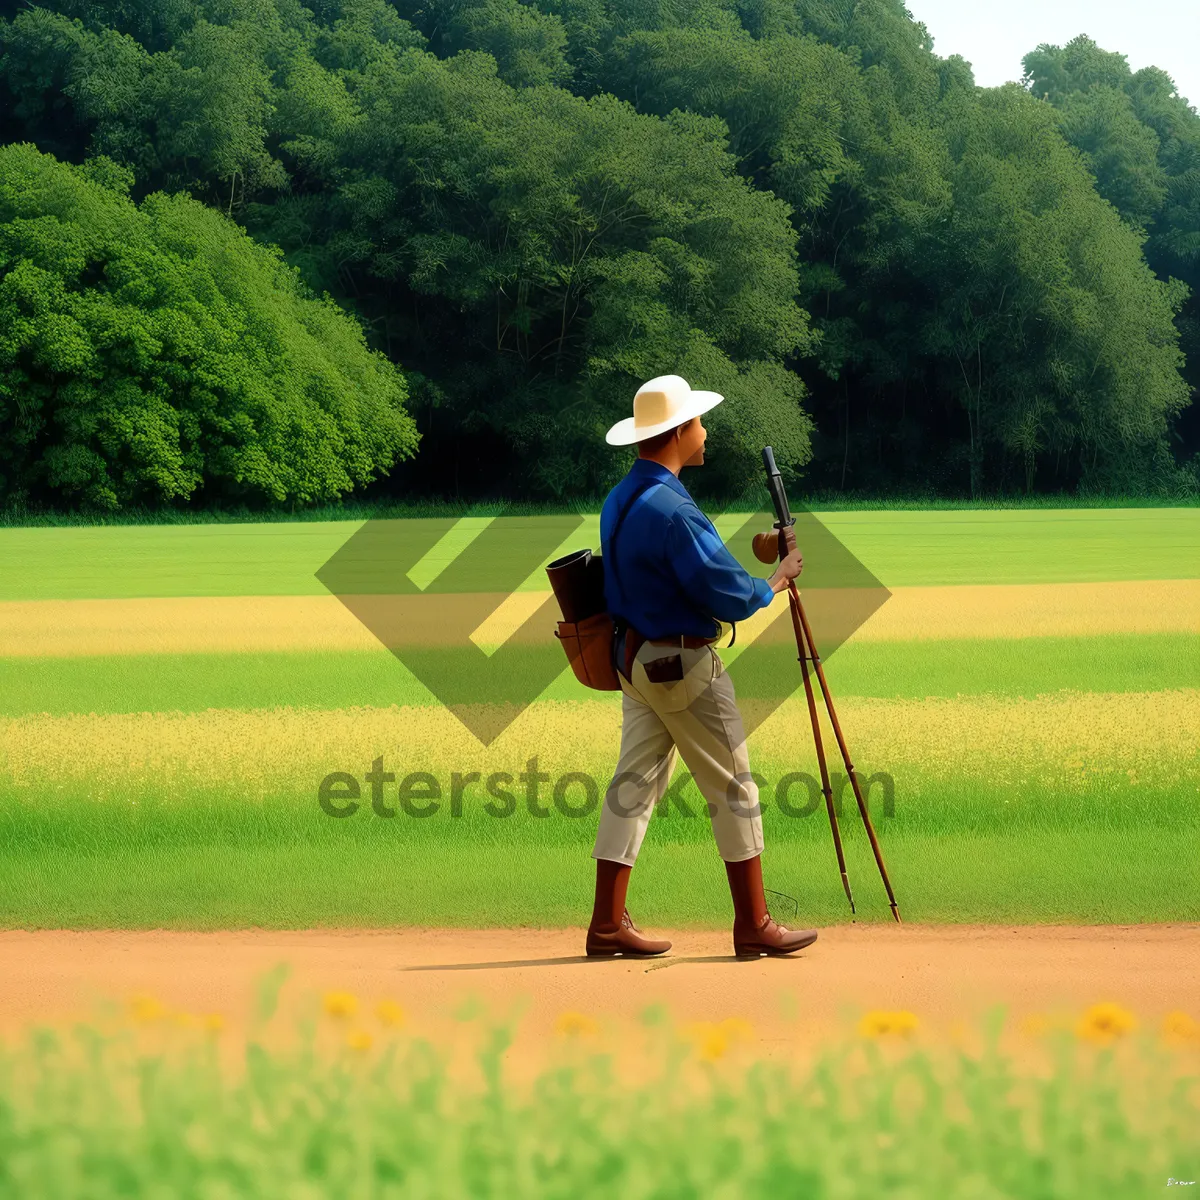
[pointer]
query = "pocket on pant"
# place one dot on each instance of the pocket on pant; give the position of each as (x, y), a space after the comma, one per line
(664, 670)
(671, 682)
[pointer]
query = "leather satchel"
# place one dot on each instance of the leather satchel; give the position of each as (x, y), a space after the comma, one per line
(589, 649)
(589, 637)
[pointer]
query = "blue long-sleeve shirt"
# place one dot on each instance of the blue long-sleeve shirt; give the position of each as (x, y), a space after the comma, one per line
(672, 572)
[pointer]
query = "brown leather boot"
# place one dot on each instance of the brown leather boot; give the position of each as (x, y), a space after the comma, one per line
(755, 932)
(612, 930)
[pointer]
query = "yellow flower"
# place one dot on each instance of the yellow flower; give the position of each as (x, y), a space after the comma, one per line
(213, 1023)
(144, 1008)
(1104, 1023)
(1181, 1029)
(359, 1040)
(185, 1020)
(713, 1044)
(737, 1029)
(390, 1013)
(710, 1041)
(574, 1024)
(888, 1024)
(341, 1004)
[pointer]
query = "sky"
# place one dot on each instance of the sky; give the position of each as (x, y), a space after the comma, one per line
(994, 35)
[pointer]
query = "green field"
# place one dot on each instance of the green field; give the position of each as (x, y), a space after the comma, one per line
(1035, 778)
(906, 548)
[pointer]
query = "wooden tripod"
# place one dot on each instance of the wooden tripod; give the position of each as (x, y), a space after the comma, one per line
(807, 650)
(808, 653)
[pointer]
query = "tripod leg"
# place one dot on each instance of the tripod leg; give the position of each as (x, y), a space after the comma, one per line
(798, 610)
(794, 602)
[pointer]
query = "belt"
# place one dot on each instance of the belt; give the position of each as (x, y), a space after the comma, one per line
(686, 640)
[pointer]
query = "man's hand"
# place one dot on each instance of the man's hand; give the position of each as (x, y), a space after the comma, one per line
(789, 566)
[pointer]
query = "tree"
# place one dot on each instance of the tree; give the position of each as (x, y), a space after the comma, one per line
(540, 255)
(194, 116)
(899, 279)
(1141, 140)
(153, 354)
(914, 195)
(529, 45)
(1048, 321)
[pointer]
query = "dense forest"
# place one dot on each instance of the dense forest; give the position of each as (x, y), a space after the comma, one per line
(253, 251)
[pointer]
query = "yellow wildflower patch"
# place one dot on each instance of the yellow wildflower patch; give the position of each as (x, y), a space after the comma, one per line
(1064, 740)
(145, 1008)
(575, 1024)
(737, 1029)
(879, 1023)
(179, 625)
(390, 1013)
(257, 624)
(1105, 1023)
(712, 1040)
(340, 1005)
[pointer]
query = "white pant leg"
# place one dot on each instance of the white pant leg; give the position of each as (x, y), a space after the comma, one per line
(643, 772)
(712, 742)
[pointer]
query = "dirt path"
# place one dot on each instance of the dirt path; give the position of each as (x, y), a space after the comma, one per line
(945, 974)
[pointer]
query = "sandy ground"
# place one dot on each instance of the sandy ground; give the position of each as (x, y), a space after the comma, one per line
(947, 975)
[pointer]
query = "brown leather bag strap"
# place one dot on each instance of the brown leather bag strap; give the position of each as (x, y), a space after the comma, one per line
(612, 537)
(620, 625)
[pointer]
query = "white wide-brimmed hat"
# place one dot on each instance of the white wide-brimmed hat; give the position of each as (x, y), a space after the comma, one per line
(661, 404)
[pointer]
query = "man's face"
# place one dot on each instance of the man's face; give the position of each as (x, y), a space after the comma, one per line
(692, 437)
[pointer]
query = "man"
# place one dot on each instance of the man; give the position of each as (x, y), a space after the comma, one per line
(670, 582)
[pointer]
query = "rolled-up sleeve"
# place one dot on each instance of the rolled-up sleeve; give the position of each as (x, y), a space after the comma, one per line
(712, 578)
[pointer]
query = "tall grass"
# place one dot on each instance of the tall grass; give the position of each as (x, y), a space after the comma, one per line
(1069, 806)
(353, 1107)
(265, 876)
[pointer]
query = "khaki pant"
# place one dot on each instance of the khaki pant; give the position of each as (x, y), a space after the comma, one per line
(697, 715)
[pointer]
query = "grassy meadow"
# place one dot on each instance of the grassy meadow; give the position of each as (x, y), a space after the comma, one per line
(171, 698)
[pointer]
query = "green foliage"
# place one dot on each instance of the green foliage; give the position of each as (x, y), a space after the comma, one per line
(193, 115)
(1141, 141)
(535, 205)
(152, 353)
(570, 249)
(974, 258)
(319, 1109)
(1119, 150)
(529, 46)
(1057, 331)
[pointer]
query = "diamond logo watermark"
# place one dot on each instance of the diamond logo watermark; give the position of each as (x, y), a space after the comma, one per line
(464, 604)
